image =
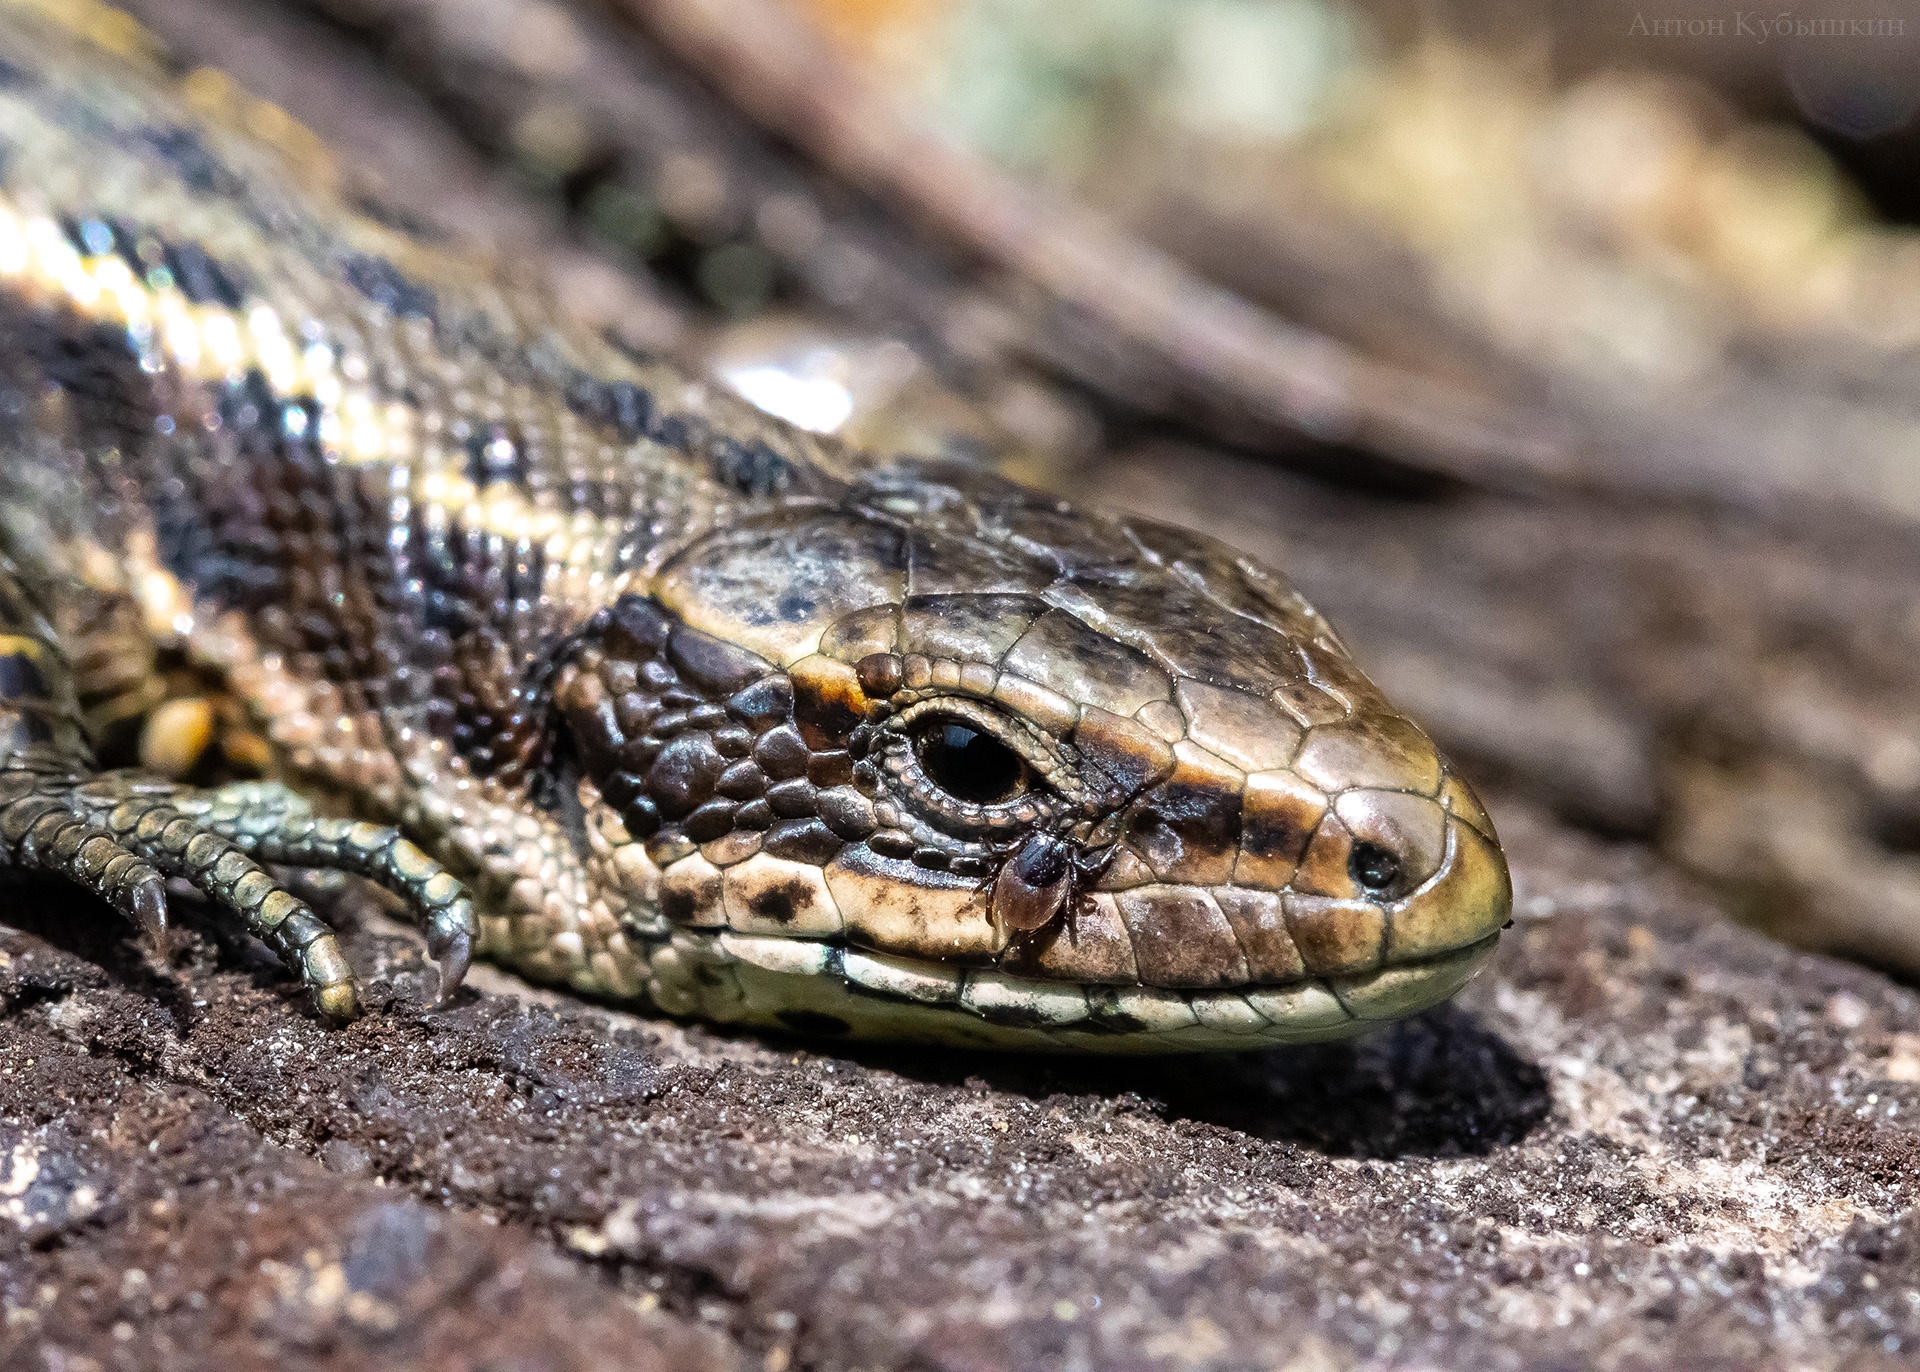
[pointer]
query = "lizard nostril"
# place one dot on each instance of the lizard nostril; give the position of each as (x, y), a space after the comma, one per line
(1374, 868)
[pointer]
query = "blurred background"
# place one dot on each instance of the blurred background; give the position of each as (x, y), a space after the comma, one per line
(1564, 354)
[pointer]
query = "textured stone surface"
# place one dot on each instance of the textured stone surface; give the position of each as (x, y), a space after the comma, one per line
(1644, 1138)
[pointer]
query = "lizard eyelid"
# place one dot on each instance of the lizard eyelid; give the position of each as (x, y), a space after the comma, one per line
(968, 767)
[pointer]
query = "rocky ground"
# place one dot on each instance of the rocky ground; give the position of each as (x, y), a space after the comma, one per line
(1645, 1137)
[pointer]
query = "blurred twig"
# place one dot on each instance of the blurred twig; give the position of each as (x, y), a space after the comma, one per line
(1100, 305)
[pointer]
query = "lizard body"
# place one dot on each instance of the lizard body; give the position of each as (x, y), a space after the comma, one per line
(613, 678)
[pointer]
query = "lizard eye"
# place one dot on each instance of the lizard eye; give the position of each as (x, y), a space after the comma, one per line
(968, 770)
(969, 764)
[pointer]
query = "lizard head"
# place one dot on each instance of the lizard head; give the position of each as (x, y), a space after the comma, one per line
(943, 759)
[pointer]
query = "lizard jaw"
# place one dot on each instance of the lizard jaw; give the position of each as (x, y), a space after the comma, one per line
(824, 987)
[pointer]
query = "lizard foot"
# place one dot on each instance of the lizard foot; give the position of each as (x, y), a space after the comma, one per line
(121, 834)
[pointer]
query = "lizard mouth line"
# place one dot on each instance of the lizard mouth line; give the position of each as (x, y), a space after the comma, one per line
(820, 985)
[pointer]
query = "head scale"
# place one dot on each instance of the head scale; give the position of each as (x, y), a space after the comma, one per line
(940, 759)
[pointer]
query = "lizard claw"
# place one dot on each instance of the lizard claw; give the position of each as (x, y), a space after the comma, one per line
(451, 944)
(145, 903)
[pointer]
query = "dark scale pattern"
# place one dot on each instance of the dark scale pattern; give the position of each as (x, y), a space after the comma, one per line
(494, 454)
(681, 730)
(201, 277)
(782, 753)
(387, 286)
(198, 168)
(802, 840)
(619, 405)
(751, 468)
(87, 360)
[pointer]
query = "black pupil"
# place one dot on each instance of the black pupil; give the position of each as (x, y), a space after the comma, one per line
(969, 765)
(1374, 867)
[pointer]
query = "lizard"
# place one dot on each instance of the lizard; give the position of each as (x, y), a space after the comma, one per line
(611, 678)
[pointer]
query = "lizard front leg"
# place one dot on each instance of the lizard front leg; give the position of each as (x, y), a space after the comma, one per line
(121, 834)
